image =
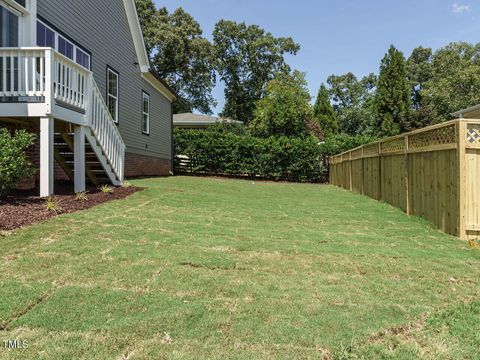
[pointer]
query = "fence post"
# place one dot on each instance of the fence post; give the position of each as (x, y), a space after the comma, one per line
(461, 128)
(380, 178)
(363, 170)
(350, 170)
(407, 177)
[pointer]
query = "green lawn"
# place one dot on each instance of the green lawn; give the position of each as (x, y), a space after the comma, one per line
(196, 268)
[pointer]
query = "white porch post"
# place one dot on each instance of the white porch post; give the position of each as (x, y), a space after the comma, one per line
(79, 158)
(46, 156)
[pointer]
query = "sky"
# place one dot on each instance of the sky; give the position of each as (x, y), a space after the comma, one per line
(343, 36)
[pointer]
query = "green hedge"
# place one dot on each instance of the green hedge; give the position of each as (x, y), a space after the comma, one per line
(217, 152)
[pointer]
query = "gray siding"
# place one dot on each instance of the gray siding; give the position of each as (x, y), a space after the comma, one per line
(102, 28)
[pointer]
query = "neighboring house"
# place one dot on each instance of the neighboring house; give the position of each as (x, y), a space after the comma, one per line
(196, 121)
(77, 73)
(472, 112)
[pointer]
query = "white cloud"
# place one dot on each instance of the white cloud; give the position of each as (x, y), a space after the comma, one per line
(460, 8)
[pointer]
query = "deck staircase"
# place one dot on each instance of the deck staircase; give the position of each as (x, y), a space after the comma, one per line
(46, 83)
(64, 156)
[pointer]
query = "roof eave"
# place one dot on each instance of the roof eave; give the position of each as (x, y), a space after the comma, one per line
(148, 73)
(463, 112)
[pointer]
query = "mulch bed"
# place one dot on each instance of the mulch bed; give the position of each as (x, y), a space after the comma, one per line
(21, 208)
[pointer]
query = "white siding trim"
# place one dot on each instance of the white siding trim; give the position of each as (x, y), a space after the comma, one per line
(137, 35)
(139, 43)
(152, 80)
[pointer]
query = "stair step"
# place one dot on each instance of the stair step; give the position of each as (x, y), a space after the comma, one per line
(90, 163)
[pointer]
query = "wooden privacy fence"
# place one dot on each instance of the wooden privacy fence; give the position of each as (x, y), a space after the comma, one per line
(433, 172)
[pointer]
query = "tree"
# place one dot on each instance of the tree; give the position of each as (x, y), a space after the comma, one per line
(324, 113)
(180, 55)
(419, 72)
(147, 15)
(352, 102)
(455, 80)
(393, 95)
(248, 58)
(285, 109)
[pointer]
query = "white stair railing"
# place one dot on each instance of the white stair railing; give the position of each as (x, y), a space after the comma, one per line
(51, 76)
(106, 132)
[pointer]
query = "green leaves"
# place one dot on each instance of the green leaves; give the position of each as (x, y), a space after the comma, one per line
(14, 164)
(393, 95)
(324, 113)
(217, 151)
(247, 58)
(454, 83)
(226, 153)
(180, 54)
(352, 101)
(285, 109)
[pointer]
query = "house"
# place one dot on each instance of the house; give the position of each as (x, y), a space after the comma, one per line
(77, 73)
(472, 112)
(196, 121)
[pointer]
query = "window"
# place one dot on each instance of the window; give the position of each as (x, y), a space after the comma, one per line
(10, 25)
(47, 37)
(21, 2)
(112, 93)
(65, 47)
(83, 58)
(145, 113)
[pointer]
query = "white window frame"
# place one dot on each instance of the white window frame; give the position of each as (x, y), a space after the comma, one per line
(115, 97)
(75, 47)
(146, 96)
(20, 15)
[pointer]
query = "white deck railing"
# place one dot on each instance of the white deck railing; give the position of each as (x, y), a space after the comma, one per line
(70, 81)
(22, 72)
(47, 76)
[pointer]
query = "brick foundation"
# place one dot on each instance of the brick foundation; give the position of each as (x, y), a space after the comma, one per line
(141, 165)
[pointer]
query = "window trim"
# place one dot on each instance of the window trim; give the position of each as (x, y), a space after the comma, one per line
(147, 96)
(58, 33)
(117, 74)
(24, 10)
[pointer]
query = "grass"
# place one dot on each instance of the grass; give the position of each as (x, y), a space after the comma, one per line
(196, 268)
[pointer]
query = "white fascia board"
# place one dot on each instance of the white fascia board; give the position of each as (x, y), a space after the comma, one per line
(143, 60)
(152, 80)
(137, 35)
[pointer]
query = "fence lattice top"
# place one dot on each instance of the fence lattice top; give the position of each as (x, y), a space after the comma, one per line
(439, 136)
(393, 145)
(435, 137)
(473, 133)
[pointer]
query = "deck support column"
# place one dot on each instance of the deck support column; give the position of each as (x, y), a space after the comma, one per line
(46, 155)
(79, 158)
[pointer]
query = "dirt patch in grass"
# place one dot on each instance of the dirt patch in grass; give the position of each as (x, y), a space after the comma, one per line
(22, 208)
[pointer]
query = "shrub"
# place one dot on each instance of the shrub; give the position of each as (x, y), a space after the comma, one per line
(14, 164)
(81, 196)
(106, 189)
(53, 204)
(210, 152)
